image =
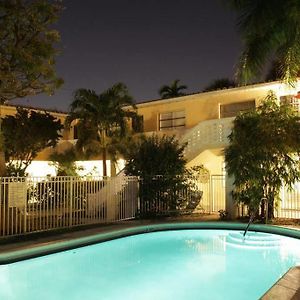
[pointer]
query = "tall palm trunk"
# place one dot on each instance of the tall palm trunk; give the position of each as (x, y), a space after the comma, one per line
(103, 139)
(2, 155)
(104, 162)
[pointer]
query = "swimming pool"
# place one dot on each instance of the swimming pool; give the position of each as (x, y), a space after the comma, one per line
(173, 264)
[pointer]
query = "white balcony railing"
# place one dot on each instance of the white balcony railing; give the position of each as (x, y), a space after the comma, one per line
(211, 134)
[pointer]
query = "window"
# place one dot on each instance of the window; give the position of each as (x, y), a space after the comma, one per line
(233, 109)
(172, 120)
(291, 100)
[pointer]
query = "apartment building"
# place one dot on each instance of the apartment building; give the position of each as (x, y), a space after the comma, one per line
(203, 120)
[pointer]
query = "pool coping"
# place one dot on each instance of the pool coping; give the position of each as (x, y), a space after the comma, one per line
(12, 256)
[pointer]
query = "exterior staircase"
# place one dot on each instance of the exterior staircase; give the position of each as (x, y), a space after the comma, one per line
(210, 134)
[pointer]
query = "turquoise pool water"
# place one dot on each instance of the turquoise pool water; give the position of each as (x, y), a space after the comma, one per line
(181, 264)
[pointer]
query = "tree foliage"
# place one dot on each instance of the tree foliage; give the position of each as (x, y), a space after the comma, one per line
(160, 164)
(102, 120)
(65, 162)
(219, 84)
(151, 156)
(264, 153)
(166, 186)
(274, 72)
(25, 135)
(270, 29)
(173, 90)
(27, 49)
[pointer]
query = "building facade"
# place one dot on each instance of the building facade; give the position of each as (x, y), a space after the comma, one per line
(203, 121)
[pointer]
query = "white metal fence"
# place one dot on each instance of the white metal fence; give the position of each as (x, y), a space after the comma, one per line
(289, 204)
(40, 204)
(161, 195)
(32, 204)
(45, 203)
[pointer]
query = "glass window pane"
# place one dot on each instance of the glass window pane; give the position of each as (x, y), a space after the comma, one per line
(172, 120)
(233, 109)
(165, 116)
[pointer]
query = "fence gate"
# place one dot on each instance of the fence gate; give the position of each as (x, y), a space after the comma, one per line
(213, 190)
(217, 192)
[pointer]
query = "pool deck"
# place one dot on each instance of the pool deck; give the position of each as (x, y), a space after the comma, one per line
(286, 288)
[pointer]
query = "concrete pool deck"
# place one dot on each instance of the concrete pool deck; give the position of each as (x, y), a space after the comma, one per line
(286, 288)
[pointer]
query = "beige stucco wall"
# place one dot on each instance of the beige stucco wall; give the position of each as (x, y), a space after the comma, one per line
(213, 160)
(205, 106)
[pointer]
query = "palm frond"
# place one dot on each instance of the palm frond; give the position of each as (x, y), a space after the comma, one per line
(174, 90)
(268, 28)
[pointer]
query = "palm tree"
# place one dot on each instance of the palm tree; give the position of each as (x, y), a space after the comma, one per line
(219, 84)
(102, 120)
(270, 29)
(172, 91)
(275, 71)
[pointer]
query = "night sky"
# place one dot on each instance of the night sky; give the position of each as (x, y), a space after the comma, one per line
(144, 44)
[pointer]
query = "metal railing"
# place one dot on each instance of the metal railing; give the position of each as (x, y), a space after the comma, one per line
(287, 206)
(33, 204)
(160, 195)
(44, 203)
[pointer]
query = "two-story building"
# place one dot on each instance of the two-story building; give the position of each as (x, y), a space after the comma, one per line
(204, 120)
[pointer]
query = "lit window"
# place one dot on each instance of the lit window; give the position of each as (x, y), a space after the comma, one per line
(172, 120)
(233, 109)
(291, 100)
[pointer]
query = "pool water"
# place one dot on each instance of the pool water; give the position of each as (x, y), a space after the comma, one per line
(182, 264)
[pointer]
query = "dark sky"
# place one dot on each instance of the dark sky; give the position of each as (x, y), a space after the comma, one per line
(144, 44)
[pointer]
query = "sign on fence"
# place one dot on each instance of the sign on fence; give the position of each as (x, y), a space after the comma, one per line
(17, 194)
